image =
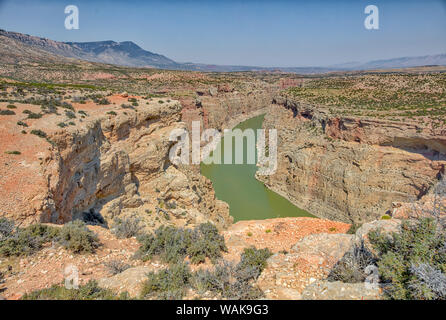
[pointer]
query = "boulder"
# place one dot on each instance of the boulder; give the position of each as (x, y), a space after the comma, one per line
(130, 280)
(309, 260)
(386, 226)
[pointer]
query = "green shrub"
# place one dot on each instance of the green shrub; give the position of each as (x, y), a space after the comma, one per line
(400, 255)
(167, 284)
(231, 281)
(13, 152)
(112, 113)
(11, 106)
(7, 112)
(20, 244)
(67, 105)
(351, 267)
(33, 115)
(70, 114)
(228, 281)
(89, 291)
(171, 244)
(116, 266)
(353, 228)
(103, 101)
(39, 133)
(206, 242)
(6, 228)
(26, 241)
(47, 233)
(76, 237)
(21, 123)
(254, 258)
(171, 205)
(168, 243)
(127, 227)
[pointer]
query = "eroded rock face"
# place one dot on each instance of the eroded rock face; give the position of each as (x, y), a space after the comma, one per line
(226, 108)
(116, 165)
(349, 169)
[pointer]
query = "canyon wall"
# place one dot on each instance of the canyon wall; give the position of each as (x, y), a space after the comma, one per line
(223, 107)
(351, 169)
(118, 165)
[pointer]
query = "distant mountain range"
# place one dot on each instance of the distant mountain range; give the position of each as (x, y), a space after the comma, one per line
(404, 62)
(18, 47)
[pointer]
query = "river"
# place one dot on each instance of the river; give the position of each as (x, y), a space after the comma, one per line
(247, 197)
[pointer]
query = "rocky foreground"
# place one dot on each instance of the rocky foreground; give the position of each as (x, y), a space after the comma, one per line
(47, 267)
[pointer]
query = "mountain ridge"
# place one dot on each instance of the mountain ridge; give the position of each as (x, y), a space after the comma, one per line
(128, 53)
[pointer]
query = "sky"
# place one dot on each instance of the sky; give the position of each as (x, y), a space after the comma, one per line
(234, 32)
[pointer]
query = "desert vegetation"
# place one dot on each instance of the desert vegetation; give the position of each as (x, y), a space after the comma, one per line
(411, 262)
(89, 291)
(172, 244)
(17, 241)
(226, 280)
(394, 96)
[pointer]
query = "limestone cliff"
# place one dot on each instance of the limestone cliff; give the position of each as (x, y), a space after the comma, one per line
(114, 164)
(351, 169)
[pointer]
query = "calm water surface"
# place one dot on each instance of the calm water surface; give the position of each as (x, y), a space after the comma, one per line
(247, 197)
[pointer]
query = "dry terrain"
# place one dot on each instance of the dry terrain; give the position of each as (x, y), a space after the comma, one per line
(89, 141)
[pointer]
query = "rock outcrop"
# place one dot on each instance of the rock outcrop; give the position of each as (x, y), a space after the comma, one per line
(310, 259)
(130, 280)
(302, 272)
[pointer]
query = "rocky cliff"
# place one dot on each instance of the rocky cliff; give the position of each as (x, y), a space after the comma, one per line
(351, 168)
(110, 164)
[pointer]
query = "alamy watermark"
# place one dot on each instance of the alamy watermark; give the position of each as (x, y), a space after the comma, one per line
(188, 149)
(72, 19)
(371, 22)
(71, 276)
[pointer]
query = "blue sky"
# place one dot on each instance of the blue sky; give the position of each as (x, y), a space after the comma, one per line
(261, 33)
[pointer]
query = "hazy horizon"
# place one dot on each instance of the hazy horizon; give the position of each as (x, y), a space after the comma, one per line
(264, 34)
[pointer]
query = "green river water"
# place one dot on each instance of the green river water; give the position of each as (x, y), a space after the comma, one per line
(247, 197)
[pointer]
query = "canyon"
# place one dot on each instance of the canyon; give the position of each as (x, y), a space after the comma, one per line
(348, 169)
(86, 141)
